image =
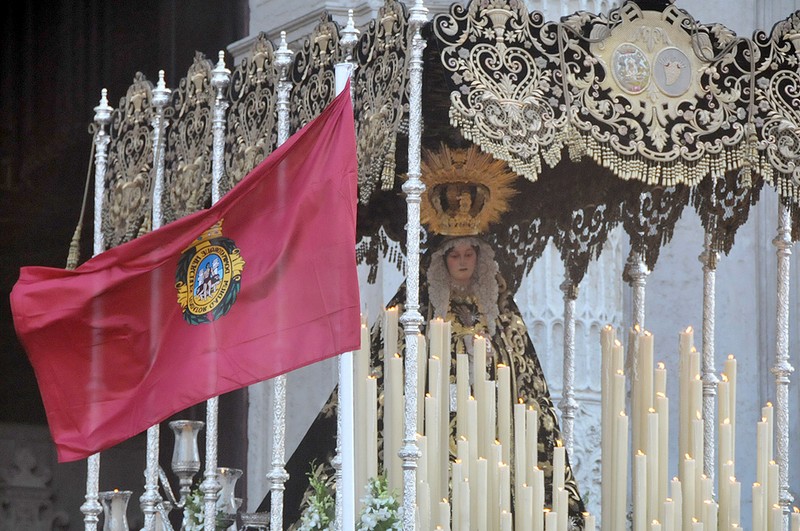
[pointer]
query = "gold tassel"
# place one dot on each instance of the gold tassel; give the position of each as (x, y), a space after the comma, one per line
(74, 253)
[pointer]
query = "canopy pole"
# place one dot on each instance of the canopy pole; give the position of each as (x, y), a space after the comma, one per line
(568, 405)
(411, 318)
(278, 476)
(210, 487)
(150, 498)
(782, 368)
(344, 461)
(709, 258)
(91, 508)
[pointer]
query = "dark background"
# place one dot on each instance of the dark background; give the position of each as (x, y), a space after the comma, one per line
(56, 58)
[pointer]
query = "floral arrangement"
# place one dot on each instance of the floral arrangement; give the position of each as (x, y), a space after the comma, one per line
(381, 510)
(320, 509)
(194, 512)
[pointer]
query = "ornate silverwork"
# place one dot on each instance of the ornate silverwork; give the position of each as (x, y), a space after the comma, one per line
(251, 132)
(188, 155)
(130, 162)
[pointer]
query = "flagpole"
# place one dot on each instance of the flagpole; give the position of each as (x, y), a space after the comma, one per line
(411, 318)
(278, 475)
(210, 486)
(91, 508)
(344, 462)
(150, 498)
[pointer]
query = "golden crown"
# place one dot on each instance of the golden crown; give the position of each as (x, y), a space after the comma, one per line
(466, 190)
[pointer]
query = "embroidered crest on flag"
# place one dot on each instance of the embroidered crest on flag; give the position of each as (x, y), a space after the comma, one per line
(208, 277)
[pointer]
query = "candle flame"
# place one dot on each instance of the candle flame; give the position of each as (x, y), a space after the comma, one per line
(619, 371)
(730, 357)
(655, 522)
(772, 462)
(617, 343)
(398, 356)
(651, 410)
(699, 416)
(501, 365)
(659, 394)
(520, 401)
(796, 510)
(116, 490)
(688, 330)
(688, 456)
(726, 421)
(639, 452)
(724, 377)
(769, 404)
(637, 328)
(647, 333)
(558, 443)
(622, 414)
(660, 365)
(694, 350)
(668, 500)
(756, 484)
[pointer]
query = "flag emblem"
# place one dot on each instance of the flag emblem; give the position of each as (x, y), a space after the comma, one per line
(209, 277)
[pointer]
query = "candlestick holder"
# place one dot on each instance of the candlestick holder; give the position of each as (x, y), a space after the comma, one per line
(227, 503)
(255, 521)
(185, 456)
(115, 509)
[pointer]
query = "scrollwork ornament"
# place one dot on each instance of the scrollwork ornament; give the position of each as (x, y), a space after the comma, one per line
(503, 62)
(380, 99)
(313, 73)
(188, 152)
(126, 201)
(251, 134)
(581, 236)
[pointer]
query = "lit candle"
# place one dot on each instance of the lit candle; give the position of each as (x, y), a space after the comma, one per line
(559, 458)
(422, 464)
(435, 336)
(524, 506)
(505, 521)
(795, 520)
(479, 390)
(495, 458)
(390, 331)
(424, 504)
(772, 485)
(668, 512)
(776, 518)
(767, 414)
(550, 521)
(531, 442)
(697, 525)
(481, 500)
(662, 409)
(725, 435)
(759, 519)
(456, 482)
(688, 490)
(655, 525)
(660, 379)
(505, 487)
(504, 410)
(676, 495)
(563, 513)
(432, 433)
(537, 512)
(686, 344)
(724, 495)
(762, 457)
(489, 430)
(472, 428)
(462, 394)
(462, 456)
(372, 426)
(519, 445)
(730, 370)
(444, 514)
(464, 506)
(588, 522)
(710, 515)
(607, 338)
(735, 498)
(640, 491)
(393, 420)
(620, 489)
(653, 465)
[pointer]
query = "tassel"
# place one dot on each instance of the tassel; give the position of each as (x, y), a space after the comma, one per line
(74, 248)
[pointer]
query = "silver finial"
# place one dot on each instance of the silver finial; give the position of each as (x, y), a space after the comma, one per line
(283, 57)
(220, 76)
(349, 37)
(161, 92)
(418, 14)
(102, 113)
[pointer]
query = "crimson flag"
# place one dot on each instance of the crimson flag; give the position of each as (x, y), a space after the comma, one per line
(262, 283)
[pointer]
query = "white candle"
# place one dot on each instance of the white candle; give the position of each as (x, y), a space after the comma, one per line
(495, 458)
(759, 519)
(686, 343)
(390, 331)
(118, 510)
(505, 521)
(653, 465)
(655, 525)
(772, 484)
(640, 492)
(668, 518)
(730, 371)
(435, 338)
(519, 445)
(660, 379)
(662, 408)
(559, 459)
(795, 520)
(531, 442)
(422, 464)
(723, 495)
(676, 495)
(432, 433)
(457, 480)
(372, 426)
(725, 435)
(710, 515)
(735, 498)
(550, 521)
(607, 338)
(588, 522)
(424, 504)
(688, 490)
(620, 488)
(481, 499)
(462, 394)
(775, 518)
(393, 420)
(563, 514)
(504, 410)
(479, 390)
(464, 514)
(524, 506)
(422, 370)
(768, 415)
(490, 428)
(537, 512)
(505, 487)
(762, 457)
(444, 515)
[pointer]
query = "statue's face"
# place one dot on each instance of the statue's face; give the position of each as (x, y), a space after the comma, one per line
(461, 260)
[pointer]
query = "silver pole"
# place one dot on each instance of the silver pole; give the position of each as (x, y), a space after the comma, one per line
(636, 272)
(782, 368)
(411, 318)
(344, 462)
(568, 405)
(709, 258)
(278, 475)
(150, 498)
(91, 508)
(210, 487)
